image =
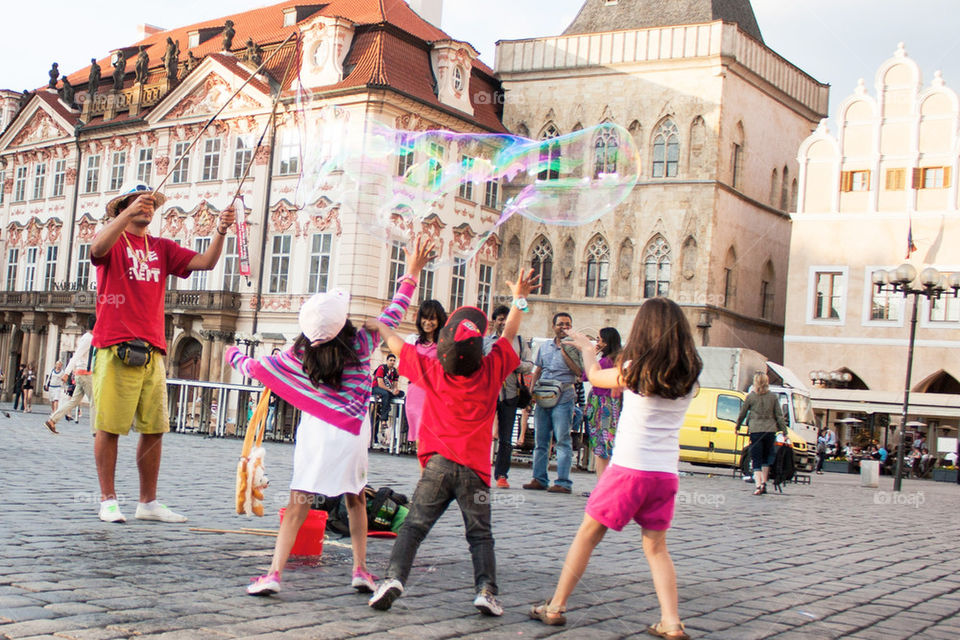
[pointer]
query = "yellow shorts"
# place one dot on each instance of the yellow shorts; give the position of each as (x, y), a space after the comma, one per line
(126, 396)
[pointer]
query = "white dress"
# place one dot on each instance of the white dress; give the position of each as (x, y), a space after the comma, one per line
(329, 460)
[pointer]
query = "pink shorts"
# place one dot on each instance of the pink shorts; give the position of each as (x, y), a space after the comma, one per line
(624, 494)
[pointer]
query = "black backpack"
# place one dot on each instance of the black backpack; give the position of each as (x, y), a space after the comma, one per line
(383, 505)
(783, 467)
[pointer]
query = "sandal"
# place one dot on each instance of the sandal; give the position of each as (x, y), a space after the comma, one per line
(759, 491)
(668, 631)
(545, 614)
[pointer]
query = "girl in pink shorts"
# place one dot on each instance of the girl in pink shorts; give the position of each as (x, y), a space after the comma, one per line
(658, 370)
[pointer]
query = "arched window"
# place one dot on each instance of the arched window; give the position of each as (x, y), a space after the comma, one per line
(774, 184)
(598, 268)
(656, 268)
(737, 158)
(605, 149)
(549, 154)
(541, 261)
(729, 278)
(666, 150)
(793, 195)
(785, 188)
(766, 291)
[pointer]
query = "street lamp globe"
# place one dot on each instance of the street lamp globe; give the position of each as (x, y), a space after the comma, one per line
(954, 281)
(880, 277)
(929, 278)
(905, 274)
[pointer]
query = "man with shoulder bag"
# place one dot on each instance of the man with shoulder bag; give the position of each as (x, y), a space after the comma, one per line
(512, 393)
(129, 381)
(558, 366)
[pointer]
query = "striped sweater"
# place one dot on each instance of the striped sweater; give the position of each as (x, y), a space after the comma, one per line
(344, 408)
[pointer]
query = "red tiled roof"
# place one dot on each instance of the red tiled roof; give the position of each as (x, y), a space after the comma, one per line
(389, 49)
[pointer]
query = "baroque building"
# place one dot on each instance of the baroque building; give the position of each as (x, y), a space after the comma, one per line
(334, 67)
(717, 117)
(886, 178)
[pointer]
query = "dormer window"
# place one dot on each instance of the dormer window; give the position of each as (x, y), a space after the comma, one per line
(289, 16)
(193, 39)
(458, 78)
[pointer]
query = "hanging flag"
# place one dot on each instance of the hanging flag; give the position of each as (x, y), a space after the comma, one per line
(243, 250)
(911, 247)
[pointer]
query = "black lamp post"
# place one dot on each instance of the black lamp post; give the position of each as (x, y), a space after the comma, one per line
(933, 284)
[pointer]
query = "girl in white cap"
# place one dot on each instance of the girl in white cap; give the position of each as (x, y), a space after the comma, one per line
(326, 374)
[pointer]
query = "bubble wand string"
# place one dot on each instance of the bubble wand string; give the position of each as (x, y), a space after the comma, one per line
(196, 138)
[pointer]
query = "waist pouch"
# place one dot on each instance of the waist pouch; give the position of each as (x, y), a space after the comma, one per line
(547, 392)
(135, 353)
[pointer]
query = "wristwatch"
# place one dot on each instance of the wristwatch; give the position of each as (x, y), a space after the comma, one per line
(521, 303)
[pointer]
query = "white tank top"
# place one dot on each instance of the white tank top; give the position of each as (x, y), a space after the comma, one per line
(648, 432)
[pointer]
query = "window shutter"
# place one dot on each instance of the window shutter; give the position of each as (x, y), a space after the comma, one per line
(846, 181)
(901, 177)
(890, 179)
(946, 177)
(917, 180)
(869, 174)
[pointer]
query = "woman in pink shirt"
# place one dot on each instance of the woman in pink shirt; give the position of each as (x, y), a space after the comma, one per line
(430, 318)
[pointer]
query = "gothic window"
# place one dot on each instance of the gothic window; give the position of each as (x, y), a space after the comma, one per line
(605, 153)
(785, 188)
(598, 268)
(549, 154)
(666, 150)
(541, 261)
(774, 183)
(656, 268)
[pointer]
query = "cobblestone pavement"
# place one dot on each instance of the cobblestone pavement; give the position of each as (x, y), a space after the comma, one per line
(826, 560)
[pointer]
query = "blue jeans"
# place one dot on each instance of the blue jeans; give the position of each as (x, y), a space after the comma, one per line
(554, 423)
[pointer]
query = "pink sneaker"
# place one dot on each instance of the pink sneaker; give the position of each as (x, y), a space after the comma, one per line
(264, 585)
(364, 581)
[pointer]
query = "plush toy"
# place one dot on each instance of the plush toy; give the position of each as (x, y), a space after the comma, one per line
(251, 475)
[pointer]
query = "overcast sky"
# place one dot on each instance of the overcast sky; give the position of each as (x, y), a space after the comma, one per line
(835, 41)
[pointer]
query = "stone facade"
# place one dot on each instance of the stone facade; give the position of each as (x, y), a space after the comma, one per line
(891, 167)
(716, 242)
(56, 183)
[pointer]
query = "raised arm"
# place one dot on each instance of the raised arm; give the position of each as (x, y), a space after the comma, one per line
(597, 376)
(239, 361)
(108, 236)
(525, 284)
(394, 342)
(208, 259)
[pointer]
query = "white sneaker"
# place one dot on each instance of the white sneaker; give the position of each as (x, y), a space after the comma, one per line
(158, 512)
(388, 591)
(487, 603)
(111, 513)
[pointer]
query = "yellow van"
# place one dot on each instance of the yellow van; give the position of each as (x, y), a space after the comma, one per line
(707, 435)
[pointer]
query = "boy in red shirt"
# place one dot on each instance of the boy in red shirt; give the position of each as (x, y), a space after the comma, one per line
(455, 439)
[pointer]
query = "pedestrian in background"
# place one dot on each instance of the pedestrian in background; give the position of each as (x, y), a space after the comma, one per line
(53, 385)
(603, 405)
(765, 419)
(29, 382)
(80, 367)
(430, 317)
(508, 398)
(18, 387)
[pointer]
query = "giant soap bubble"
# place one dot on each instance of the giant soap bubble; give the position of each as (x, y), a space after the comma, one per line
(400, 182)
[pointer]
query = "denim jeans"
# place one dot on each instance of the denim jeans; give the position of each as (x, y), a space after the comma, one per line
(553, 422)
(441, 482)
(506, 418)
(384, 398)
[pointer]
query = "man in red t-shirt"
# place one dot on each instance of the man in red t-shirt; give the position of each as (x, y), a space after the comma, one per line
(455, 438)
(129, 382)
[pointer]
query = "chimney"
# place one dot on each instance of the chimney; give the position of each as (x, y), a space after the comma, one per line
(429, 10)
(144, 31)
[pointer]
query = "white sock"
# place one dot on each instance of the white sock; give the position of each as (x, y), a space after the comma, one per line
(109, 503)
